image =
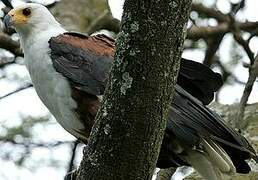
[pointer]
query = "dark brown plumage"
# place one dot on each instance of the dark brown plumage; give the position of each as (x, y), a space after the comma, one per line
(86, 62)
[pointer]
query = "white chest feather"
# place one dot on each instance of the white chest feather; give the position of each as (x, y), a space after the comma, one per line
(52, 88)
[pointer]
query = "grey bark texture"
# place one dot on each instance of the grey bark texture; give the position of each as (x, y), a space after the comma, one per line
(126, 138)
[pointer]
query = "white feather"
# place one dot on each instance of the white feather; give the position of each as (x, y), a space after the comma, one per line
(212, 162)
(52, 87)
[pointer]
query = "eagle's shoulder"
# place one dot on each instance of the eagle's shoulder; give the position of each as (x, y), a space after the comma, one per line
(84, 60)
(98, 44)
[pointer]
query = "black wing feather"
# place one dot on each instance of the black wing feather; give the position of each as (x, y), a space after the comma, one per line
(199, 80)
(189, 120)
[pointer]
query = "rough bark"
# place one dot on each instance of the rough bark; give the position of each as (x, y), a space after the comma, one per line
(126, 138)
(253, 74)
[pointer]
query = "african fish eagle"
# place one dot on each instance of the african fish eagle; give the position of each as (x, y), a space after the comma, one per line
(69, 72)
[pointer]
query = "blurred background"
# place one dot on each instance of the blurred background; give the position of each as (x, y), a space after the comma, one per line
(221, 34)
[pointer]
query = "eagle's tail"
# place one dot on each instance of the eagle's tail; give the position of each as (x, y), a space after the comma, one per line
(212, 162)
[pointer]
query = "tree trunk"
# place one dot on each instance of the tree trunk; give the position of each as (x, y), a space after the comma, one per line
(126, 138)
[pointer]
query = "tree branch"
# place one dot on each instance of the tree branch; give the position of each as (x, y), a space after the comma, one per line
(71, 161)
(213, 45)
(30, 144)
(196, 33)
(17, 90)
(104, 21)
(5, 62)
(253, 73)
(6, 42)
(245, 45)
(210, 12)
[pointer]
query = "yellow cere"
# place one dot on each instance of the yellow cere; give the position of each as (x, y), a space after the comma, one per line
(19, 16)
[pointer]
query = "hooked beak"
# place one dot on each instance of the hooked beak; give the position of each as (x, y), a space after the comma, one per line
(8, 22)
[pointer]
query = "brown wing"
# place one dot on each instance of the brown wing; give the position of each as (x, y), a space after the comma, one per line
(84, 60)
(87, 107)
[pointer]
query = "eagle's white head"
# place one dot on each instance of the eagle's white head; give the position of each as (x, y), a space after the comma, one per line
(30, 18)
(32, 21)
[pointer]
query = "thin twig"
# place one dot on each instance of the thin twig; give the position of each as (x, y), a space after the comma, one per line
(253, 73)
(196, 33)
(5, 62)
(213, 45)
(104, 21)
(209, 12)
(33, 144)
(71, 162)
(17, 90)
(245, 45)
(235, 7)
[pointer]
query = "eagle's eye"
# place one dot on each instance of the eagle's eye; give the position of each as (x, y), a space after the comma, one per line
(26, 11)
